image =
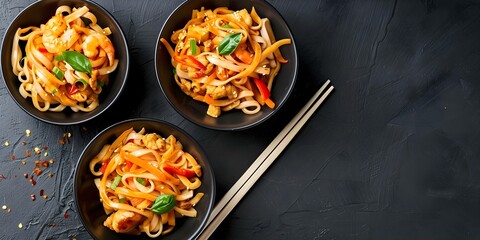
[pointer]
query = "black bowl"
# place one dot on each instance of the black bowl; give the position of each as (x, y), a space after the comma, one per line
(87, 199)
(40, 12)
(196, 111)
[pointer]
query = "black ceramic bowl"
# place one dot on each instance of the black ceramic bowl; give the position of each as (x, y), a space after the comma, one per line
(196, 111)
(40, 12)
(87, 199)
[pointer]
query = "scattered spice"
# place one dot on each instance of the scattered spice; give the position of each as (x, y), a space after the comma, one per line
(53, 225)
(37, 171)
(37, 163)
(41, 192)
(12, 157)
(27, 153)
(24, 143)
(25, 175)
(45, 154)
(45, 196)
(20, 225)
(37, 150)
(23, 163)
(65, 215)
(27, 132)
(4, 207)
(44, 164)
(32, 196)
(50, 174)
(6, 143)
(84, 129)
(2, 177)
(9, 210)
(32, 181)
(50, 161)
(45, 147)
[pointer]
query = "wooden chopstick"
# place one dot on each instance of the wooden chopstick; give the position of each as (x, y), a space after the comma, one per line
(266, 158)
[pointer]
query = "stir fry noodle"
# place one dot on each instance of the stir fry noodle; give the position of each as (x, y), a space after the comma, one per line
(64, 62)
(146, 182)
(227, 59)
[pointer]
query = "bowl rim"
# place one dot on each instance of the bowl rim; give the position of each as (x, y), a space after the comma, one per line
(156, 121)
(243, 126)
(69, 121)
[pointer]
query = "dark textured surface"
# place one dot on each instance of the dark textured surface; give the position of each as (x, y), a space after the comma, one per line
(392, 154)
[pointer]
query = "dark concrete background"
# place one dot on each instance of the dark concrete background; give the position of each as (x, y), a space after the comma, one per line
(394, 153)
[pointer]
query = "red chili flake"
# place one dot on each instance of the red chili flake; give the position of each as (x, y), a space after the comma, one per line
(2, 177)
(37, 163)
(50, 161)
(61, 141)
(37, 171)
(45, 147)
(27, 153)
(41, 192)
(25, 175)
(24, 143)
(44, 164)
(32, 181)
(65, 215)
(53, 225)
(12, 157)
(32, 197)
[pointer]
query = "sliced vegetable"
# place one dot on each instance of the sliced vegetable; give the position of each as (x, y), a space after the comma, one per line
(71, 89)
(229, 43)
(179, 171)
(122, 200)
(100, 83)
(141, 181)
(193, 46)
(115, 182)
(190, 61)
(58, 73)
(77, 60)
(43, 50)
(54, 92)
(226, 26)
(164, 203)
(104, 166)
(263, 89)
(81, 84)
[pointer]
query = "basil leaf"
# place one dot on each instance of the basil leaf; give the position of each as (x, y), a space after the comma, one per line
(229, 43)
(77, 60)
(163, 204)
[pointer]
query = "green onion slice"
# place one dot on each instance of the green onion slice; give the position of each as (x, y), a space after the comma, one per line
(193, 46)
(226, 26)
(122, 200)
(116, 181)
(81, 84)
(141, 181)
(58, 73)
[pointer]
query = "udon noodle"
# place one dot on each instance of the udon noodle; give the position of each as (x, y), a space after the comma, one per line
(64, 62)
(145, 182)
(227, 59)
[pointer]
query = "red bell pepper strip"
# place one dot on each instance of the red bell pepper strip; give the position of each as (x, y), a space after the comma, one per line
(71, 89)
(104, 166)
(43, 50)
(262, 88)
(190, 61)
(264, 92)
(183, 172)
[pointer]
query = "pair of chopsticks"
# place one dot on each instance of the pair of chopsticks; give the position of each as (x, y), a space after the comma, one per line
(266, 158)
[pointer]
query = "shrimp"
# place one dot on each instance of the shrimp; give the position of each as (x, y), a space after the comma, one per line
(93, 42)
(57, 38)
